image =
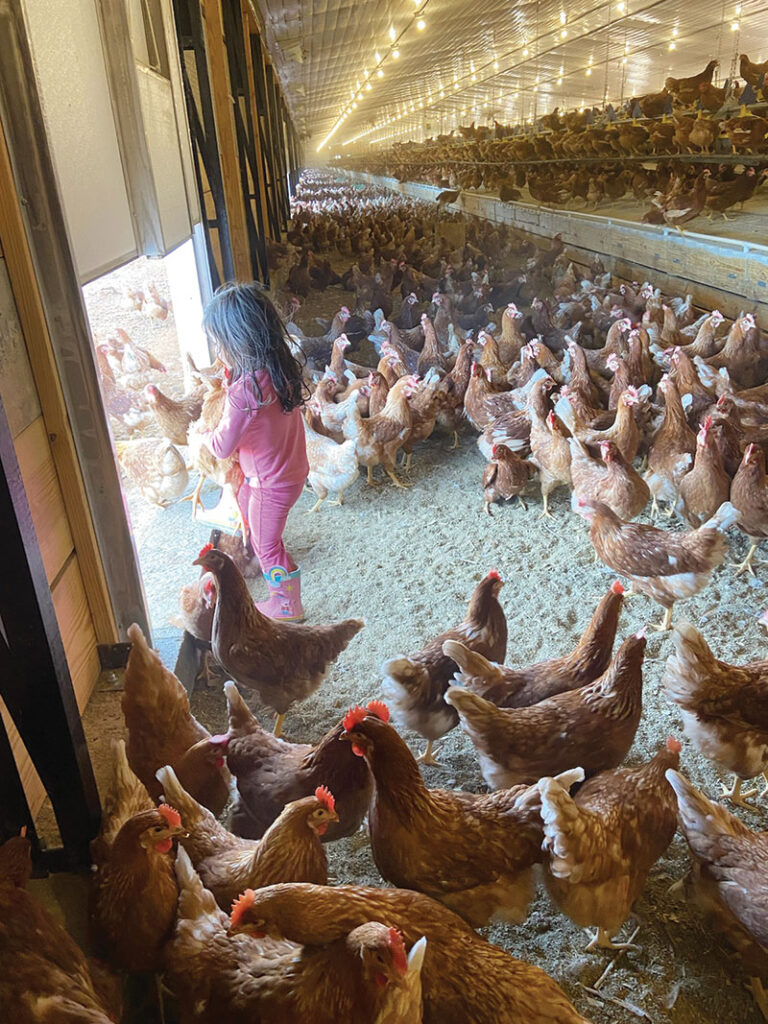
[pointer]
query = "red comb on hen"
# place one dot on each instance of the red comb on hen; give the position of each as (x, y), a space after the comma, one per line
(617, 587)
(674, 746)
(378, 708)
(494, 575)
(204, 550)
(353, 717)
(241, 904)
(324, 796)
(170, 814)
(399, 957)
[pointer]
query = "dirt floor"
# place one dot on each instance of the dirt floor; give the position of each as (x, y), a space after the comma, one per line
(407, 562)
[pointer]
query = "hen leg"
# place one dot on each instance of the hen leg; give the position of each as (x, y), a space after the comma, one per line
(735, 796)
(545, 511)
(764, 792)
(428, 757)
(371, 481)
(278, 730)
(602, 940)
(666, 623)
(317, 505)
(339, 500)
(759, 994)
(747, 563)
(393, 477)
(455, 444)
(194, 497)
(520, 499)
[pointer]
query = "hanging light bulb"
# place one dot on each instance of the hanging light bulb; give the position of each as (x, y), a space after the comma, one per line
(455, 85)
(526, 51)
(395, 54)
(354, 106)
(734, 26)
(474, 78)
(359, 96)
(495, 65)
(672, 46)
(563, 17)
(367, 86)
(560, 81)
(377, 57)
(564, 33)
(421, 24)
(392, 33)
(379, 73)
(588, 72)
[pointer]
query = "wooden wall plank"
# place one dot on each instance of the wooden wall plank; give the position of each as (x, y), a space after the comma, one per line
(26, 294)
(77, 633)
(17, 385)
(30, 780)
(227, 142)
(45, 498)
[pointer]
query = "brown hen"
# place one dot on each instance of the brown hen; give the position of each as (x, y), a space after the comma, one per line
(415, 685)
(272, 772)
(520, 688)
(602, 843)
(282, 661)
(592, 727)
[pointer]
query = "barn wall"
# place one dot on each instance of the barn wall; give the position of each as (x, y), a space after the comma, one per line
(727, 274)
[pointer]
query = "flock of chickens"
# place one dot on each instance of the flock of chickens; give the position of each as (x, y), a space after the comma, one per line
(570, 379)
(688, 116)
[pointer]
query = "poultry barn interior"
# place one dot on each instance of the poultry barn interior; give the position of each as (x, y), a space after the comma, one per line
(511, 766)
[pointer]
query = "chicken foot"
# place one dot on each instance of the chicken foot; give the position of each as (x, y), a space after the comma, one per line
(428, 756)
(746, 565)
(546, 514)
(735, 796)
(666, 624)
(316, 506)
(278, 730)
(194, 497)
(338, 501)
(371, 482)
(455, 444)
(393, 477)
(602, 940)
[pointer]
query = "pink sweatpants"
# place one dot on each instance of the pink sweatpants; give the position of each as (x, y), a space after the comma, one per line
(266, 511)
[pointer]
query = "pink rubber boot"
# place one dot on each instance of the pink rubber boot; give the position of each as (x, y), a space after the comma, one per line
(284, 602)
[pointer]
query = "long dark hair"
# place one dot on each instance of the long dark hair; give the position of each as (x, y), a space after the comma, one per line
(243, 324)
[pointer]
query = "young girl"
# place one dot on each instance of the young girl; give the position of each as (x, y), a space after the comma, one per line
(263, 421)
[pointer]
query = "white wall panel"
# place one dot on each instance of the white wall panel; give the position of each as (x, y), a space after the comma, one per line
(157, 108)
(67, 49)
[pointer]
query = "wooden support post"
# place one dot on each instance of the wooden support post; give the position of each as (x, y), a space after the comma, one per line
(249, 29)
(260, 80)
(34, 677)
(225, 134)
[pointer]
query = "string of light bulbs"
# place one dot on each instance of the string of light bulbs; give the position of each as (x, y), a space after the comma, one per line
(673, 40)
(416, 19)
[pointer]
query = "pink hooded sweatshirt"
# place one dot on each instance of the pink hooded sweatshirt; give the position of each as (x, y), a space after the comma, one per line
(270, 443)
